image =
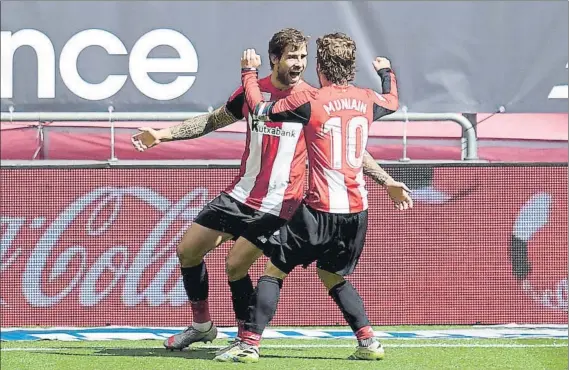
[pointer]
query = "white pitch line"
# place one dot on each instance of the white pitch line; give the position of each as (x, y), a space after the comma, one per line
(287, 346)
(284, 346)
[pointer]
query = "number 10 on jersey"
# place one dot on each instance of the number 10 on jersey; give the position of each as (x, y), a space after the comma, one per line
(355, 127)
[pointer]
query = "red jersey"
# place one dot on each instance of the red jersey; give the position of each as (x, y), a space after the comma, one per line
(273, 166)
(336, 123)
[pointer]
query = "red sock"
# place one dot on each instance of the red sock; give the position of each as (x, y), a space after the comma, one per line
(252, 339)
(200, 310)
(364, 333)
(240, 328)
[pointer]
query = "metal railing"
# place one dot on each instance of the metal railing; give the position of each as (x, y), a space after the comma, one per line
(469, 145)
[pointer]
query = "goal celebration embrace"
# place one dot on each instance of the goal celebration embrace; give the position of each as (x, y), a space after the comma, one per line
(266, 209)
(323, 185)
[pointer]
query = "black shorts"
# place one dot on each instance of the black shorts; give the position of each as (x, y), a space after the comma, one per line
(335, 241)
(228, 215)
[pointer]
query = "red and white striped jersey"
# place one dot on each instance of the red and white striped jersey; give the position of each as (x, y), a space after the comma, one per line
(336, 124)
(273, 166)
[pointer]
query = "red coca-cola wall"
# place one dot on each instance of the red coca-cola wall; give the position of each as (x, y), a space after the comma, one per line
(84, 247)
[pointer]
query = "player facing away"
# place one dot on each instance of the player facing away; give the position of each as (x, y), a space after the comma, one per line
(331, 223)
(262, 197)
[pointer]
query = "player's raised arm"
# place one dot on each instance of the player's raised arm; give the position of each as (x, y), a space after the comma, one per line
(294, 108)
(194, 127)
(388, 101)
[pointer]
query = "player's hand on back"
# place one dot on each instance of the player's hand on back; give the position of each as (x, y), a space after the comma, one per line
(380, 63)
(250, 59)
(145, 139)
(399, 194)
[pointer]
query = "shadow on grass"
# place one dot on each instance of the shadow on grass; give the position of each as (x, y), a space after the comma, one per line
(195, 353)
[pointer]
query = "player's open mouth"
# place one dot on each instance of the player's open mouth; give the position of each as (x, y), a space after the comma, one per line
(294, 74)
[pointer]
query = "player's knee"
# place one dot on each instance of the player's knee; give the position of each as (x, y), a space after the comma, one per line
(329, 279)
(188, 255)
(187, 258)
(240, 258)
(235, 268)
(274, 271)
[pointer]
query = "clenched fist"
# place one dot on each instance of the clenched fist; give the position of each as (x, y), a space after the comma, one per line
(380, 63)
(250, 59)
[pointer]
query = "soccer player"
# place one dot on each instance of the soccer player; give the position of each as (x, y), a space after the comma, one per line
(331, 223)
(262, 197)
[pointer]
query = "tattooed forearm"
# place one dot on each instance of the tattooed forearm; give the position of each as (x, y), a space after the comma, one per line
(201, 125)
(373, 170)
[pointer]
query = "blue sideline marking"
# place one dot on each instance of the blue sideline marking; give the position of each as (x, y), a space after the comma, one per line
(139, 333)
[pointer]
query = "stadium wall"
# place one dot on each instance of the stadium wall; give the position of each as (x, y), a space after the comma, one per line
(103, 57)
(86, 246)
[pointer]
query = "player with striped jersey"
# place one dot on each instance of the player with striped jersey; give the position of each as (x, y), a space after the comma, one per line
(263, 196)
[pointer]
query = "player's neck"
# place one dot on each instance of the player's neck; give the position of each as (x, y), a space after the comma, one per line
(333, 85)
(325, 83)
(279, 85)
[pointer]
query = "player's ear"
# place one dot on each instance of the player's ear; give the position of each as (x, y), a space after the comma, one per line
(274, 58)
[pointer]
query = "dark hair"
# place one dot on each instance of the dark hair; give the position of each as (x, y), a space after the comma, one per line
(336, 57)
(284, 38)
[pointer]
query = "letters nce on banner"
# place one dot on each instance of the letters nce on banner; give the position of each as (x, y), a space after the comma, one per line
(139, 63)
